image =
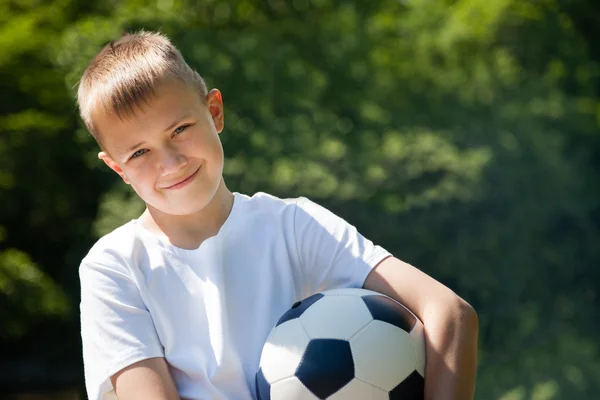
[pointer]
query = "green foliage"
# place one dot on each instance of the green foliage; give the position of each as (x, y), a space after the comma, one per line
(462, 135)
(29, 293)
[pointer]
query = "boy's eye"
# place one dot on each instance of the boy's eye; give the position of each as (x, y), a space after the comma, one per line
(180, 129)
(138, 153)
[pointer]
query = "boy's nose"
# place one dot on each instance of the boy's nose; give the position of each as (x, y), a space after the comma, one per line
(171, 161)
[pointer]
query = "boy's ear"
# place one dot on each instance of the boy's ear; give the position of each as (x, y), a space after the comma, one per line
(113, 165)
(214, 101)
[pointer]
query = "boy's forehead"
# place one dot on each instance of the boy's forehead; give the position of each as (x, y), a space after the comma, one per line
(167, 103)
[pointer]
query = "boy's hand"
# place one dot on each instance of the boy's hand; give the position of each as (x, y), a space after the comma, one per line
(451, 327)
(148, 379)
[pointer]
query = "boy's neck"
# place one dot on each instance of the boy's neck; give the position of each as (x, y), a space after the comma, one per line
(189, 231)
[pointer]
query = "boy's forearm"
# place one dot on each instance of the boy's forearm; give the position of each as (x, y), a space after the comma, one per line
(451, 349)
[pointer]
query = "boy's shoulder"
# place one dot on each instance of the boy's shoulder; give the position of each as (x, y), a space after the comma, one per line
(261, 204)
(266, 201)
(264, 198)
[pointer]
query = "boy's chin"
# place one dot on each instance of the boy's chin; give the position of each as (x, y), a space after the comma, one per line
(185, 202)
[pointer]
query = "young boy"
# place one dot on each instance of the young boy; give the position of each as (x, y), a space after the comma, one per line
(178, 303)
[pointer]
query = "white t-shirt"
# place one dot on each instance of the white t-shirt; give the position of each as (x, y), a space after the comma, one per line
(209, 311)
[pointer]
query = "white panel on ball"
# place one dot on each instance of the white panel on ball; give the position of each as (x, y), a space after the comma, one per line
(283, 351)
(349, 312)
(359, 390)
(384, 355)
(418, 336)
(348, 292)
(291, 388)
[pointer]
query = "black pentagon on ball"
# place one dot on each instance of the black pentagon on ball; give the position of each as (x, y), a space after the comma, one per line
(263, 389)
(412, 388)
(326, 366)
(299, 307)
(384, 309)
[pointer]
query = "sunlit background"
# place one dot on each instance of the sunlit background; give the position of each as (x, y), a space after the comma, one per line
(461, 135)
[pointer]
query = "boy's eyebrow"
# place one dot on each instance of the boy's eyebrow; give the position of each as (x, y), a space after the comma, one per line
(134, 147)
(168, 128)
(174, 123)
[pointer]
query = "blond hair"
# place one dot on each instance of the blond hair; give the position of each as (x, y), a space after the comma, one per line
(125, 73)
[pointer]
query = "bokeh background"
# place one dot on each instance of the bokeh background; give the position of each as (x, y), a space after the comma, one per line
(462, 135)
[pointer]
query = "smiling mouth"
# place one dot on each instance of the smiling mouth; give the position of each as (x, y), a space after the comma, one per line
(183, 182)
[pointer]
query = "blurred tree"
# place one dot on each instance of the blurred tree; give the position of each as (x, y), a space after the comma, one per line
(462, 135)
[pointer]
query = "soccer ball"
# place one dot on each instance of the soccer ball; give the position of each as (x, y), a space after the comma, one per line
(346, 344)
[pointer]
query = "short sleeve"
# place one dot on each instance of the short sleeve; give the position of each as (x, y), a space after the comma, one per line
(116, 328)
(332, 253)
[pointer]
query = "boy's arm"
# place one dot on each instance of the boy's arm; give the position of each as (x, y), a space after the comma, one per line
(148, 379)
(451, 327)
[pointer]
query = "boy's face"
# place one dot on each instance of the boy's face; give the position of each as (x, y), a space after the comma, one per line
(169, 151)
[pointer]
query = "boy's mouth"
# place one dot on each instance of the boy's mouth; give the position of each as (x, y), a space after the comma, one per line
(183, 182)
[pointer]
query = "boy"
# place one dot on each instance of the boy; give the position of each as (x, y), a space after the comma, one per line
(178, 303)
